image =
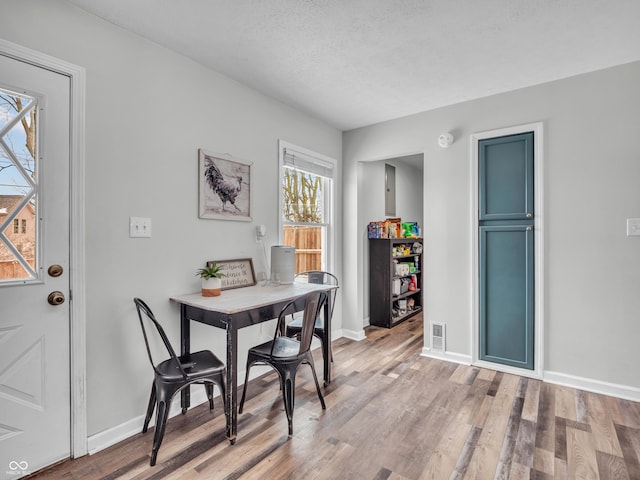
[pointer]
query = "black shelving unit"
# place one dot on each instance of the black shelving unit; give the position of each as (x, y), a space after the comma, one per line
(385, 303)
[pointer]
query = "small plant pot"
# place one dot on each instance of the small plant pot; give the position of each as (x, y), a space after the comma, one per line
(211, 287)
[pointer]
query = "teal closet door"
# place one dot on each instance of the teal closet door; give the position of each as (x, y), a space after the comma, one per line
(506, 255)
(506, 295)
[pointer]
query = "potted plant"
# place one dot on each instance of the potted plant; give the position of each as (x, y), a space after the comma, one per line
(211, 280)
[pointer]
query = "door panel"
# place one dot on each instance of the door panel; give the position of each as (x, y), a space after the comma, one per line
(506, 178)
(34, 335)
(506, 295)
(506, 254)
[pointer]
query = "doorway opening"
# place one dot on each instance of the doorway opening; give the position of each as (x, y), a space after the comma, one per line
(373, 200)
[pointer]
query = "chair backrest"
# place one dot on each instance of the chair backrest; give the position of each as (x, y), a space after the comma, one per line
(146, 316)
(322, 278)
(313, 303)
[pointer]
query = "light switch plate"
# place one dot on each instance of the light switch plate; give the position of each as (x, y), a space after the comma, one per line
(139, 227)
(633, 227)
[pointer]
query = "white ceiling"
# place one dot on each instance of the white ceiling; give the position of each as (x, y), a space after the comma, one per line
(352, 63)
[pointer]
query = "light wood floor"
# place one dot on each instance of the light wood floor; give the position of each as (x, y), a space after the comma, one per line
(391, 414)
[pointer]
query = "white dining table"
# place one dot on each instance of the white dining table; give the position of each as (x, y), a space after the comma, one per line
(238, 308)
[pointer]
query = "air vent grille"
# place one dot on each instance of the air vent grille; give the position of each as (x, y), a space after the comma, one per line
(437, 336)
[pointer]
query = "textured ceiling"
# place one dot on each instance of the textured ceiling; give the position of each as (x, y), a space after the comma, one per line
(352, 63)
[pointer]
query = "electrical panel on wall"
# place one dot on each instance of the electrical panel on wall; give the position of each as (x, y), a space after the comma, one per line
(389, 190)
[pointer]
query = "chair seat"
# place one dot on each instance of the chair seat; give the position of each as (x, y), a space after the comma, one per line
(198, 364)
(284, 347)
(296, 324)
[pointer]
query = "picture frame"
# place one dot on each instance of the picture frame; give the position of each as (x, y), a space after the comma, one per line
(224, 187)
(238, 272)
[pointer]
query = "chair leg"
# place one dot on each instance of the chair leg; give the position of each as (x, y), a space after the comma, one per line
(208, 386)
(152, 404)
(315, 378)
(244, 388)
(288, 392)
(161, 422)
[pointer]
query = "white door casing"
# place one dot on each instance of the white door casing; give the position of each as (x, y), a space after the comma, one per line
(42, 347)
(539, 244)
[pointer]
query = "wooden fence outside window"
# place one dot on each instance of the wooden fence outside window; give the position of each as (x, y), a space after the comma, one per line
(308, 243)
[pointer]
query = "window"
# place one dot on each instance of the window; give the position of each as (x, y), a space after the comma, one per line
(306, 206)
(19, 133)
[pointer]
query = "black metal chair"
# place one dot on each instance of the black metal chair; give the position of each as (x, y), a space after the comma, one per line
(286, 354)
(174, 374)
(324, 278)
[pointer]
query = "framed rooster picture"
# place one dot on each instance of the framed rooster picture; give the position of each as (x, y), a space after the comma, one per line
(224, 187)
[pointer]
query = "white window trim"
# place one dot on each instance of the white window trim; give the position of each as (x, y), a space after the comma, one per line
(330, 223)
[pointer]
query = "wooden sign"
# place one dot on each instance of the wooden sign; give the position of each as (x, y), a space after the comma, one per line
(237, 273)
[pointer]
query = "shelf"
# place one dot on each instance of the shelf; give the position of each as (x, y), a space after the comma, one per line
(382, 276)
(405, 295)
(413, 312)
(417, 272)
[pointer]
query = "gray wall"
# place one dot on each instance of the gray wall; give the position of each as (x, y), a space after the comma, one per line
(592, 167)
(148, 111)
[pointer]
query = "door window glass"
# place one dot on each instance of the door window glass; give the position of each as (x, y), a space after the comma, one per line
(18, 188)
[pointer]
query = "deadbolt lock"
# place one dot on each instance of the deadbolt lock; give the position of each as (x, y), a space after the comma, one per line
(55, 270)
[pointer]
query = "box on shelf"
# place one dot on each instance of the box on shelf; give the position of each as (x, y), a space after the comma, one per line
(393, 228)
(395, 286)
(402, 269)
(410, 230)
(402, 306)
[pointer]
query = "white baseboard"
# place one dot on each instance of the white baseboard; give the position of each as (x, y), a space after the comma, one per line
(596, 386)
(522, 372)
(447, 356)
(121, 432)
(116, 434)
(356, 335)
(581, 383)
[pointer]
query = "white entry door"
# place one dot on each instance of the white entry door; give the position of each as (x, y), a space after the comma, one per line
(35, 416)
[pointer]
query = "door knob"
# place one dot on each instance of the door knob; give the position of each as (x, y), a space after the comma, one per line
(55, 298)
(55, 270)
(529, 215)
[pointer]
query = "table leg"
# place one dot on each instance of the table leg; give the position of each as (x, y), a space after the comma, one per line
(185, 348)
(232, 381)
(326, 345)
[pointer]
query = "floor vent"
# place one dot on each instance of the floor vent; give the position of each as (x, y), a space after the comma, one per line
(437, 336)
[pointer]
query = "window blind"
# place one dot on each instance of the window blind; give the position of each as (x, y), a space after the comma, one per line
(307, 163)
